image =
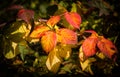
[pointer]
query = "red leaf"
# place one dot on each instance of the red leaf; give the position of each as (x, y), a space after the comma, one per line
(39, 31)
(53, 20)
(107, 47)
(25, 15)
(48, 41)
(89, 46)
(67, 36)
(73, 18)
(15, 7)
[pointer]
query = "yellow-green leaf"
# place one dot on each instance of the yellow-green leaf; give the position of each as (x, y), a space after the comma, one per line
(10, 51)
(64, 51)
(53, 61)
(86, 65)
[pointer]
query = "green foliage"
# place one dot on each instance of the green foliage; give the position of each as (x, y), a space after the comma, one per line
(52, 39)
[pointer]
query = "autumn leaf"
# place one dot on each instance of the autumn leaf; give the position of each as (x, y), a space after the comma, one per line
(73, 18)
(48, 41)
(53, 61)
(39, 31)
(86, 65)
(81, 54)
(67, 36)
(64, 51)
(25, 15)
(107, 47)
(53, 20)
(89, 45)
(15, 7)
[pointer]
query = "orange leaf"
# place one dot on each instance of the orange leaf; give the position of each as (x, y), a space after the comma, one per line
(67, 36)
(107, 48)
(39, 31)
(53, 20)
(89, 46)
(48, 41)
(25, 15)
(73, 18)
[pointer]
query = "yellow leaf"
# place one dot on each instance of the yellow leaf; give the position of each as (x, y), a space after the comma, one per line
(53, 61)
(100, 55)
(81, 54)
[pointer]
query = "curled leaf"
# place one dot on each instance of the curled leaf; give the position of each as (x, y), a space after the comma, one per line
(49, 41)
(53, 20)
(67, 36)
(73, 18)
(107, 48)
(39, 31)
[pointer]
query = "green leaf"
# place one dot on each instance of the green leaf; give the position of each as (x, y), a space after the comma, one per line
(24, 49)
(74, 7)
(67, 67)
(17, 37)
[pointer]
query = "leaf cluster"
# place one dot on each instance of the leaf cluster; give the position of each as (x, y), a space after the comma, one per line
(65, 40)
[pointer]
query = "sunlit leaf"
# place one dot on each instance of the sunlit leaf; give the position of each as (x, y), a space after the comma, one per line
(67, 36)
(26, 15)
(53, 20)
(49, 41)
(107, 47)
(39, 31)
(23, 29)
(53, 61)
(73, 18)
